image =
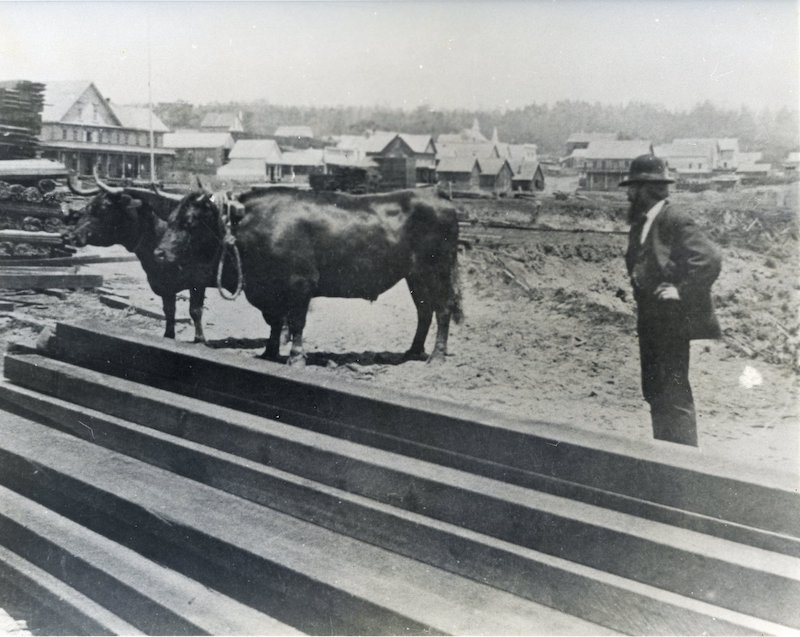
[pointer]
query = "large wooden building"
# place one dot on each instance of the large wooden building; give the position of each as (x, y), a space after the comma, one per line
(607, 162)
(80, 127)
(197, 152)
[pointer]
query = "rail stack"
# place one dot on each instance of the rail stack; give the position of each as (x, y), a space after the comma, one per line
(165, 488)
(21, 105)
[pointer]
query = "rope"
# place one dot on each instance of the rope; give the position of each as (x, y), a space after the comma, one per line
(228, 241)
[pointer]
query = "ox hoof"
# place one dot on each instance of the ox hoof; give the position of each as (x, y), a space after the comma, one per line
(415, 356)
(436, 358)
(198, 339)
(297, 360)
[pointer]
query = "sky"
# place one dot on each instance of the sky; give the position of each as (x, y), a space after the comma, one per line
(478, 55)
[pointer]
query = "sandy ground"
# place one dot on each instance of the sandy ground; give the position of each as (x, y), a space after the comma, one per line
(556, 355)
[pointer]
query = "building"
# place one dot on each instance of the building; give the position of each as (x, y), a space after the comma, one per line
(528, 177)
(80, 128)
(197, 152)
(253, 161)
(516, 153)
(792, 162)
(496, 176)
(232, 123)
(297, 165)
(691, 158)
(423, 151)
(582, 140)
(752, 170)
(479, 150)
(395, 154)
(728, 154)
(294, 136)
(576, 159)
(459, 173)
(607, 162)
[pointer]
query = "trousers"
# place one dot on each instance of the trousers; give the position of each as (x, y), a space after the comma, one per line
(664, 356)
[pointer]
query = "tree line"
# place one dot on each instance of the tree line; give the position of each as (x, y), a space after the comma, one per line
(775, 132)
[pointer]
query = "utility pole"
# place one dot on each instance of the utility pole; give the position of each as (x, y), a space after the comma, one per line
(153, 178)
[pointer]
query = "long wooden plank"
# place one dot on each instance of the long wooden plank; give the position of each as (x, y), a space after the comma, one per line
(299, 573)
(154, 599)
(623, 605)
(10, 280)
(74, 612)
(684, 562)
(64, 261)
(572, 462)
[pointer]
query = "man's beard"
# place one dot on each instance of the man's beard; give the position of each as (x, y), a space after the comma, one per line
(635, 213)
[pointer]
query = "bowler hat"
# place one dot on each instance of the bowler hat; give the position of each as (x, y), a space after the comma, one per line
(647, 168)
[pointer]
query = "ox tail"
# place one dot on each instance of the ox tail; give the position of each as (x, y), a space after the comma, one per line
(456, 298)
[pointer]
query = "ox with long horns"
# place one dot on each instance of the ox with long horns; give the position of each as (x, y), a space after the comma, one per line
(134, 218)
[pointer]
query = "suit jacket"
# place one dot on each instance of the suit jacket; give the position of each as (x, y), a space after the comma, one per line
(676, 251)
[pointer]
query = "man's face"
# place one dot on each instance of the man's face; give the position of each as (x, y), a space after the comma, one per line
(639, 200)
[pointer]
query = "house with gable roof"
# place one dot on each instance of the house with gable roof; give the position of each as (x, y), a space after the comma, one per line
(496, 176)
(461, 173)
(607, 162)
(253, 161)
(80, 128)
(528, 176)
(403, 159)
(223, 123)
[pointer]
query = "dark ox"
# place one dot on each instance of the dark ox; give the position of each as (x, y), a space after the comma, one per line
(297, 245)
(135, 218)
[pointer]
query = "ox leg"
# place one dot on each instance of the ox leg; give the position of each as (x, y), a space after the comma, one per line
(275, 322)
(197, 297)
(296, 320)
(424, 317)
(442, 332)
(168, 305)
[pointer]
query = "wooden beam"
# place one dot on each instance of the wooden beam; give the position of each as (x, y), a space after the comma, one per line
(43, 280)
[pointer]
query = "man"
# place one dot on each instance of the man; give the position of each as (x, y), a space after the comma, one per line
(672, 266)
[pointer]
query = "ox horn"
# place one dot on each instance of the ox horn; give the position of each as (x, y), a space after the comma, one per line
(111, 190)
(200, 185)
(171, 196)
(77, 189)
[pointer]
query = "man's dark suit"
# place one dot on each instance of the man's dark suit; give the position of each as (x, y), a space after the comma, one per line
(676, 252)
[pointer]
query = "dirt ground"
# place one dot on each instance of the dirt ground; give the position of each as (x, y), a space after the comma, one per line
(549, 330)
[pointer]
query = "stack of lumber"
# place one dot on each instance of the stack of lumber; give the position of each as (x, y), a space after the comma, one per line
(21, 104)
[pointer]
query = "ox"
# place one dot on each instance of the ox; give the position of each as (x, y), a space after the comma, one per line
(296, 245)
(135, 219)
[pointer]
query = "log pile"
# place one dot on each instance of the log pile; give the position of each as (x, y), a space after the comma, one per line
(21, 104)
(32, 220)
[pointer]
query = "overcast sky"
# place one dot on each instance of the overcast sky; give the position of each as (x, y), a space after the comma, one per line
(472, 55)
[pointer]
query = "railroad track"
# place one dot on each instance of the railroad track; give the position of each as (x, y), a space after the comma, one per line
(160, 487)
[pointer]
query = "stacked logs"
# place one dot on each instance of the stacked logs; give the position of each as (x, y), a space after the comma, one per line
(32, 220)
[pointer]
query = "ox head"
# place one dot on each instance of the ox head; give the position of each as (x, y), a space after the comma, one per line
(194, 232)
(115, 215)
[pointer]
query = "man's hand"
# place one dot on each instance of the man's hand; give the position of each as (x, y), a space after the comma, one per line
(667, 292)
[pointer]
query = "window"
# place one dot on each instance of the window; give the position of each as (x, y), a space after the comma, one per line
(63, 132)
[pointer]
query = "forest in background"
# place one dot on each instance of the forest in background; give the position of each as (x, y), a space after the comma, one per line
(775, 132)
